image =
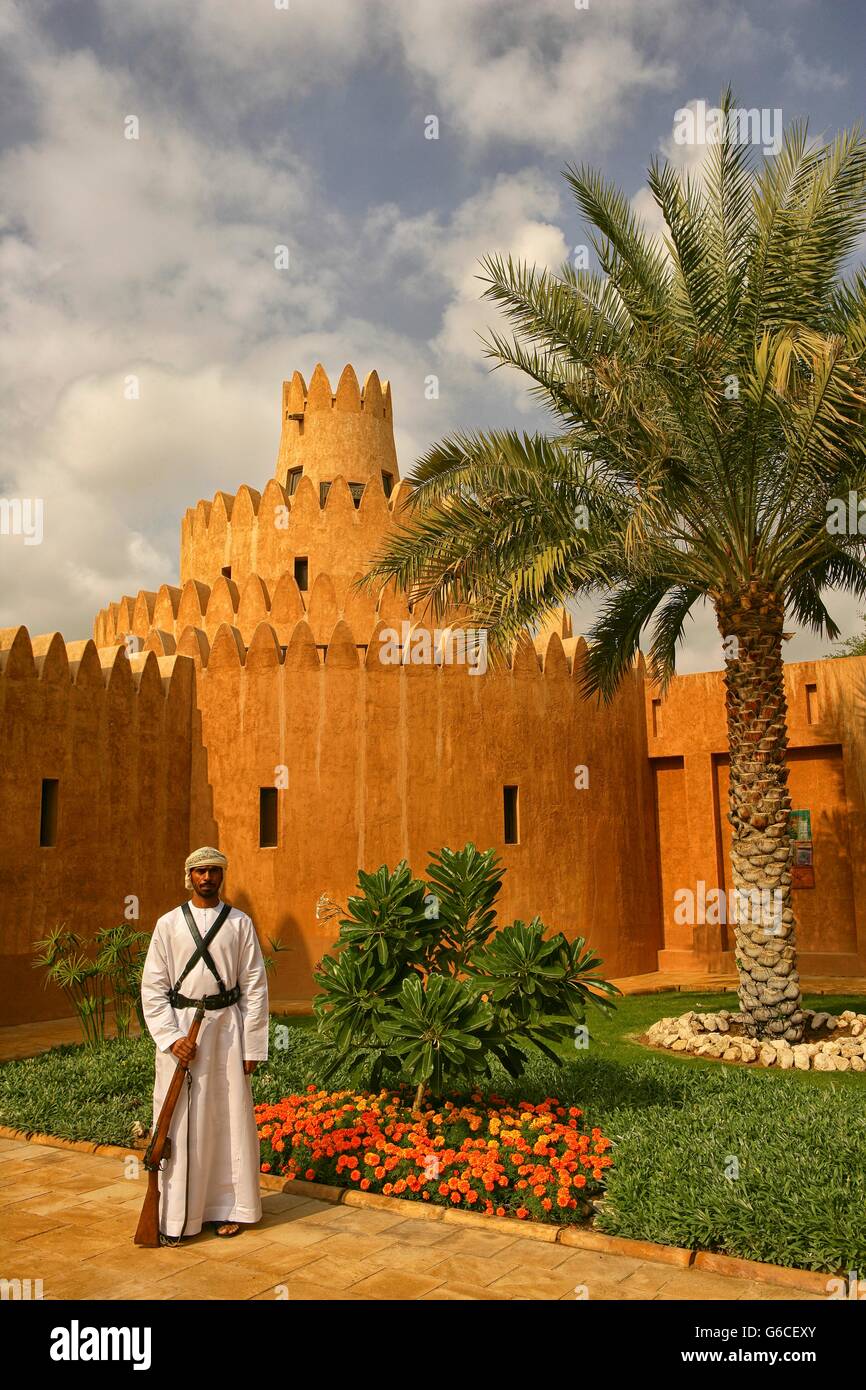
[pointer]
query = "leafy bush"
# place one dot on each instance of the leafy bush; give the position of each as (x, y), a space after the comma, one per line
(425, 989)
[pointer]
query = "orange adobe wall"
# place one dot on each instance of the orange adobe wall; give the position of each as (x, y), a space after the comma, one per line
(264, 672)
(827, 776)
(117, 735)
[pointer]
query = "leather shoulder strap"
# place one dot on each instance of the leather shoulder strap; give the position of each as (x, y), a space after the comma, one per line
(201, 951)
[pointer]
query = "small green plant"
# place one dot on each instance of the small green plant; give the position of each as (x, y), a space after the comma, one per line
(120, 959)
(271, 961)
(62, 955)
(424, 990)
(89, 983)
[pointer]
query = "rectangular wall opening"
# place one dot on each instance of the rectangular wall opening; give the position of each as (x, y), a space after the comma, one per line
(657, 717)
(268, 817)
(812, 711)
(510, 815)
(48, 813)
(302, 572)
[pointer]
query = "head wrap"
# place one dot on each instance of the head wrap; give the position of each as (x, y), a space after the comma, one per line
(200, 859)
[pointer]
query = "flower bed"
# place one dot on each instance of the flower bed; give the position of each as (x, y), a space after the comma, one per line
(530, 1161)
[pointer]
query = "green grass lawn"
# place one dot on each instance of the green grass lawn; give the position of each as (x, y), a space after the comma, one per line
(764, 1164)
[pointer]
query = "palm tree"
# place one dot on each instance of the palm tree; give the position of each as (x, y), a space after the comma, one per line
(707, 395)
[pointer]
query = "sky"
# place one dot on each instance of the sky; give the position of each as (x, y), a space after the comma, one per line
(154, 153)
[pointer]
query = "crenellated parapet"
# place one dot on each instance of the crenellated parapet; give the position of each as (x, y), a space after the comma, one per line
(84, 665)
(381, 631)
(314, 530)
(347, 430)
(169, 612)
(301, 648)
(326, 513)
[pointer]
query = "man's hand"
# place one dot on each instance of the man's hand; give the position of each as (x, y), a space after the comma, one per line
(183, 1050)
(249, 1068)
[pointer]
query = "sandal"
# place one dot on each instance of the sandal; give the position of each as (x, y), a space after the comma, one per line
(226, 1235)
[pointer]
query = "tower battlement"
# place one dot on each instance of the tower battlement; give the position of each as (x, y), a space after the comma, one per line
(326, 432)
(335, 495)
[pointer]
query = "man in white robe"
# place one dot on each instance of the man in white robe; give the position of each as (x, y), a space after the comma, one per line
(213, 1122)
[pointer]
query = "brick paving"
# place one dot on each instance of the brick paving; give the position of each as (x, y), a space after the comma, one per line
(68, 1219)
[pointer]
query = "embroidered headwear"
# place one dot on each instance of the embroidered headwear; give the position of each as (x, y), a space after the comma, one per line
(200, 859)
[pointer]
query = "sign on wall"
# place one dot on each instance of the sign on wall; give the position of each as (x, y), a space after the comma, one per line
(800, 830)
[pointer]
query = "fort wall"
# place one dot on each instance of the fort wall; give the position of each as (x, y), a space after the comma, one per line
(116, 734)
(385, 762)
(687, 743)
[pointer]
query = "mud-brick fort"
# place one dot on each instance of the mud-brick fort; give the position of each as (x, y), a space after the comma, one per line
(248, 706)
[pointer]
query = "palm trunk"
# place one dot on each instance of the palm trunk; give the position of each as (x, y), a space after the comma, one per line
(761, 850)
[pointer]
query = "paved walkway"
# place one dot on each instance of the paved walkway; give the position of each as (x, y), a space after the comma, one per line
(68, 1219)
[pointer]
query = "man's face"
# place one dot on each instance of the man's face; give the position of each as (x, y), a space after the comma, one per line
(207, 881)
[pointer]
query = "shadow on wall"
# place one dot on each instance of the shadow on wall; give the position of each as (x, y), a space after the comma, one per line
(293, 961)
(824, 779)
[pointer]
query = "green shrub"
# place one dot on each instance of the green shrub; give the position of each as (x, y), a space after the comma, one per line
(425, 991)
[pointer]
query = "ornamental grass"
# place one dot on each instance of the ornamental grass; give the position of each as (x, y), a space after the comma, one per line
(534, 1162)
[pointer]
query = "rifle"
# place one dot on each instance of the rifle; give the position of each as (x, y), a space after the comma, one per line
(147, 1231)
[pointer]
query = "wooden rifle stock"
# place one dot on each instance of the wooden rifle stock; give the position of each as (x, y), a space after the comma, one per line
(147, 1231)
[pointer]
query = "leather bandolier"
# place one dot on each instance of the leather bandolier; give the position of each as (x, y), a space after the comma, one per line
(224, 997)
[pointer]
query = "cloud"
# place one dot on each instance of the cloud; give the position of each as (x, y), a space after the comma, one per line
(546, 75)
(154, 258)
(813, 74)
